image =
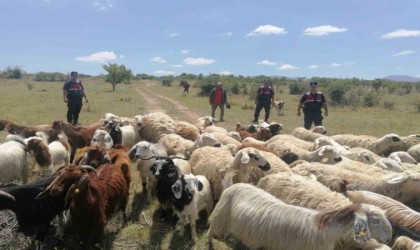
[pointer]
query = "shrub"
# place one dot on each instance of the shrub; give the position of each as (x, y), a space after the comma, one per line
(205, 89)
(13, 72)
(235, 88)
(370, 100)
(296, 88)
(417, 104)
(166, 82)
(388, 104)
(336, 93)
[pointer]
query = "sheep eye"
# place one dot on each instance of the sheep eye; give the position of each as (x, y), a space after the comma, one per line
(375, 221)
(256, 158)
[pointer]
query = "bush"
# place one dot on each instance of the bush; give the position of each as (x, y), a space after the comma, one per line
(166, 82)
(296, 89)
(336, 93)
(235, 88)
(388, 104)
(205, 89)
(417, 104)
(370, 100)
(13, 72)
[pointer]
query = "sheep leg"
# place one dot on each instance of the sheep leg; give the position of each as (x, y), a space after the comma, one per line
(193, 219)
(150, 186)
(181, 225)
(60, 226)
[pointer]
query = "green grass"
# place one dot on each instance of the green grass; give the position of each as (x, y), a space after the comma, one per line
(33, 103)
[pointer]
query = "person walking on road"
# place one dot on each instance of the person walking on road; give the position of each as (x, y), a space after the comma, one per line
(218, 98)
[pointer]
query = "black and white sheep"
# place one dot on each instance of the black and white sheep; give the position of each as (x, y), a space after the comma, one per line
(192, 194)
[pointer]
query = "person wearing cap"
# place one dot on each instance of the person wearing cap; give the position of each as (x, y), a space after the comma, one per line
(73, 93)
(312, 102)
(218, 98)
(264, 99)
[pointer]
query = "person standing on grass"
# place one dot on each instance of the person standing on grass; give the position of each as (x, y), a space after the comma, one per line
(264, 99)
(312, 102)
(73, 93)
(218, 98)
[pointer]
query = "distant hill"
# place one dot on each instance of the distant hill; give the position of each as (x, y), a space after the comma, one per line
(402, 78)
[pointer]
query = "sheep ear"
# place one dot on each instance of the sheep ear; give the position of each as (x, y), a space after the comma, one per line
(200, 185)
(76, 188)
(177, 189)
(361, 229)
(398, 179)
(321, 151)
(245, 157)
(200, 140)
(132, 152)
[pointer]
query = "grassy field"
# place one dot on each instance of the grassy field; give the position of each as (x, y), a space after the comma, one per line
(32, 103)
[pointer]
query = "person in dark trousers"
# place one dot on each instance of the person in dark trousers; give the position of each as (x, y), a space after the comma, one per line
(312, 102)
(218, 98)
(73, 93)
(264, 99)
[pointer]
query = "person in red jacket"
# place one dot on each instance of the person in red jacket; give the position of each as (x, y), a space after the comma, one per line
(218, 98)
(312, 102)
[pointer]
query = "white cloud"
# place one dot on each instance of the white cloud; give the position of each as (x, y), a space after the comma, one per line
(418, 75)
(173, 34)
(313, 67)
(98, 57)
(404, 53)
(225, 34)
(287, 67)
(323, 30)
(122, 56)
(401, 33)
(266, 62)
(103, 4)
(335, 65)
(264, 30)
(158, 59)
(225, 73)
(164, 72)
(198, 61)
(186, 51)
(176, 65)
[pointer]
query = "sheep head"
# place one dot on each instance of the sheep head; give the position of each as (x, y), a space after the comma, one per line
(330, 152)
(39, 149)
(207, 139)
(254, 157)
(187, 184)
(371, 223)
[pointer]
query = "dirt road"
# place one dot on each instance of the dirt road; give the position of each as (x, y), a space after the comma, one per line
(155, 101)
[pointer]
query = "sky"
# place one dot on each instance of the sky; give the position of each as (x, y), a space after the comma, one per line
(366, 39)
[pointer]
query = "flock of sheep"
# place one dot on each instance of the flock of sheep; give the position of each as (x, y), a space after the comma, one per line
(268, 190)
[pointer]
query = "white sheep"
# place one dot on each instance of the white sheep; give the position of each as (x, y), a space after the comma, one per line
(399, 186)
(60, 152)
(325, 154)
(109, 117)
(176, 144)
(389, 164)
(403, 219)
(260, 220)
(226, 138)
(402, 157)
(405, 243)
(215, 163)
(309, 135)
(102, 139)
(290, 139)
(143, 151)
(235, 135)
(376, 145)
(205, 121)
(154, 125)
(306, 192)
(414, 151)
(193, 194)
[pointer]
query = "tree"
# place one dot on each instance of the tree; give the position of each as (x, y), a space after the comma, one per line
(117, 74)
(13, 72)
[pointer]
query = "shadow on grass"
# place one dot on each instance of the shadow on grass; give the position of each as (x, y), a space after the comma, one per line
(137, 206)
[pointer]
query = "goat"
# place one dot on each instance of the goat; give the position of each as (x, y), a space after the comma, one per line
(193, 194)
(19, 157)
(92, 199)
(102, 138)
(78, 137)
(33, 213)
(96, 156)
(22, 130)
(123, 134)
(263, 134)
(260, 220)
